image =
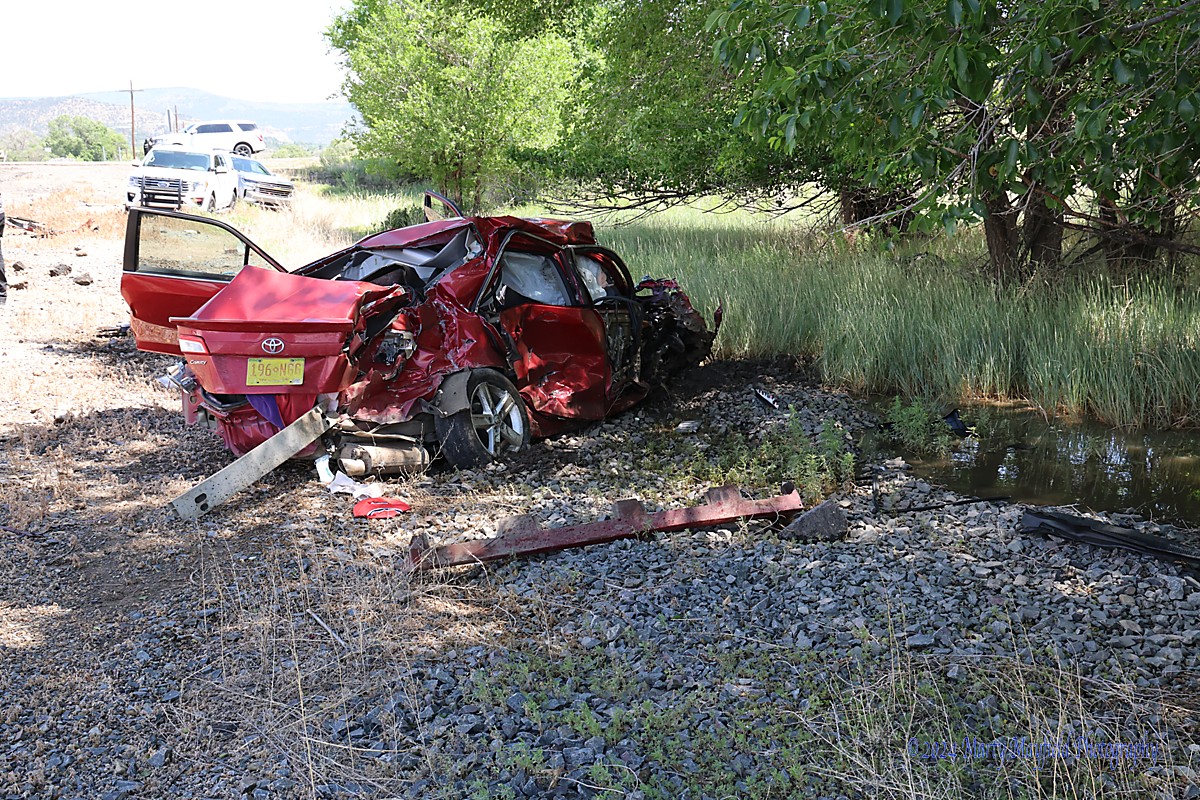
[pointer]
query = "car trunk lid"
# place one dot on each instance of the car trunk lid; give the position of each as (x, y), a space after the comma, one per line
(279, 333)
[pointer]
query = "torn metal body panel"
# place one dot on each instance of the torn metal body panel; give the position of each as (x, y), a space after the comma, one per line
(523, 536)
(461, 335)
(1102, 534)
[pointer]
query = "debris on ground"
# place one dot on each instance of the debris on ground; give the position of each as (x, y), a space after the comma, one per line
(30, 225)
(768, 399)
(826, 522)
(523, 536)
(380, 507)
(1102, 534)
(344, 484)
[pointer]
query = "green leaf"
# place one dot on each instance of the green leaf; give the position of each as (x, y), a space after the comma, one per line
(918, 114)
(1010, 157)
(1121, 72)
(895, 8)
(954, 12)
(1187, 110)
(961, 62)
(802, 17)
(1032, 97)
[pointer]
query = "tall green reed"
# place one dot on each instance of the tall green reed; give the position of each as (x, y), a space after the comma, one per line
(928, 324)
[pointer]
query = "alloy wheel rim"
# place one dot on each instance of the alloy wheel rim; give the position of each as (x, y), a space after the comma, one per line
(496, 418)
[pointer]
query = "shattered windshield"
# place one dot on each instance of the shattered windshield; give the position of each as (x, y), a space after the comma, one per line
(176, 159)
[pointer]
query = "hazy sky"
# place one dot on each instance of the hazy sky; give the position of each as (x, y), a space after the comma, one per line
(261, 50)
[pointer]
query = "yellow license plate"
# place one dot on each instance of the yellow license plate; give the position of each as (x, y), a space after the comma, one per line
(274, 371)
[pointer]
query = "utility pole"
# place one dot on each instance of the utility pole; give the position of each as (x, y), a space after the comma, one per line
(132, 135)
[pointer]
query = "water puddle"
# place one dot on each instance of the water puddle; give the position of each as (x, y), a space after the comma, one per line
(1021, 455)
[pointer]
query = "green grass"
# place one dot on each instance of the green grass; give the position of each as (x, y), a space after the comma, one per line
(928, 325)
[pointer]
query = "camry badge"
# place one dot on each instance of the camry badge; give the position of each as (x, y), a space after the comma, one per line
(272, 345)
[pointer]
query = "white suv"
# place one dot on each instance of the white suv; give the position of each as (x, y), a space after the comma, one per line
(174, 177)
(237, 136)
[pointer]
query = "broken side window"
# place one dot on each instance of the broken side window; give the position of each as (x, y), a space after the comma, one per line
(598, 279)
(530, 278)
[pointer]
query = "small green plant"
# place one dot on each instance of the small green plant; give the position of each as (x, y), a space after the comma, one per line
(917, 426)
(786, 453)
(402, 217)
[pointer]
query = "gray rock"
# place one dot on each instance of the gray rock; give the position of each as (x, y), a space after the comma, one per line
(919, 640)
(826, 522)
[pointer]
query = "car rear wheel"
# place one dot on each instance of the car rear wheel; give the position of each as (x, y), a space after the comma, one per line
(494, 424)
(233, 198)
(242, 149)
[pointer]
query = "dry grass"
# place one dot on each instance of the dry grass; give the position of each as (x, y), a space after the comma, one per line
(73, 210)
(318, 223)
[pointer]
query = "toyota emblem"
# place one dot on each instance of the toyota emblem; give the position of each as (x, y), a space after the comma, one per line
(272, 345)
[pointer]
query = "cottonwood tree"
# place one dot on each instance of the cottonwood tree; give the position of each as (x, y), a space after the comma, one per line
(446, 92)
(651, 124)
(1033, 117)
(22, 145)
(82, 138)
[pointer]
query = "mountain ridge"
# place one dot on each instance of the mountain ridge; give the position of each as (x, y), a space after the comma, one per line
(314, 123)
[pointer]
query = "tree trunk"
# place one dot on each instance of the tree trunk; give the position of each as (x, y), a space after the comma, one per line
(1000, 230)
(1043, 231)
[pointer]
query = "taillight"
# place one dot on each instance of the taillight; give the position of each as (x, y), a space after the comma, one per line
(192, 344)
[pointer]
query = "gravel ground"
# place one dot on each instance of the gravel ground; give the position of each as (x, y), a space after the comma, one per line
(279, 649)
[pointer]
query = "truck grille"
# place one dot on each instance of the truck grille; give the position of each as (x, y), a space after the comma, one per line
(162, 191)
(275, 190)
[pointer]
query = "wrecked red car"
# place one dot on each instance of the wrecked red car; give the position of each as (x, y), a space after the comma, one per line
(460, 336)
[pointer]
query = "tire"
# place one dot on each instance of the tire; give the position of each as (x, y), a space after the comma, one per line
(211, 205)
(494, 424)
(242, 149)
(233, 200)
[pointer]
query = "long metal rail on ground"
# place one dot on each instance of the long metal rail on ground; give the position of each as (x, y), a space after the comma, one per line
(523, 536)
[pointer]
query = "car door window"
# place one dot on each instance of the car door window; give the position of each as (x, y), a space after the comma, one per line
(530, 278)
(189, 248)
(599, 280)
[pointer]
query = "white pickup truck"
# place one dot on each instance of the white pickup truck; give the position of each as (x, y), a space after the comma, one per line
(178, 177)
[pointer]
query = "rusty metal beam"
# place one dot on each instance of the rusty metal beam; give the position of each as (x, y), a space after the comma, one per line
(523, 536)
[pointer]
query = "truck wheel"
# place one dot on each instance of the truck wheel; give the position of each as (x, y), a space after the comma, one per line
(233, 200)
(211, 205)
(242, 149)
(494, 424)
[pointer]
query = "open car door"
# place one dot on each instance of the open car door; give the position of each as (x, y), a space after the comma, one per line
(439, 207)
(174, 264)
